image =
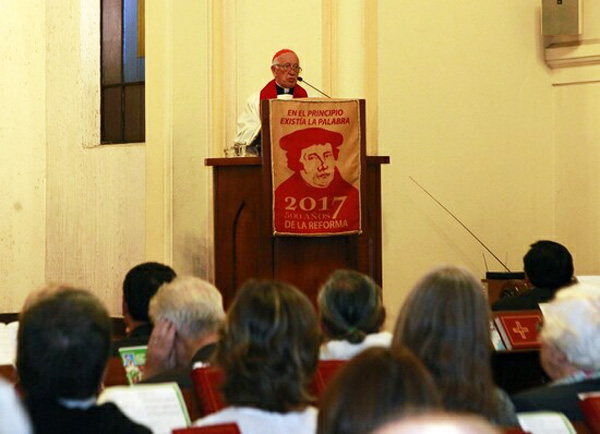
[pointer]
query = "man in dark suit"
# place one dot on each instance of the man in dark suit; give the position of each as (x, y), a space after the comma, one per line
(62, 349)
(548, 267)
(569, 352)
(139, 286)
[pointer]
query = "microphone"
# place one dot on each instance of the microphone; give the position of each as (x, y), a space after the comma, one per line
(306, 82)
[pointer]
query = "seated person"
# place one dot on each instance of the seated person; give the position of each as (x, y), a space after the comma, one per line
(187, 314)
(548, 267)
(285, 67)
(352, 314)
(268, 351)
(139, 286)
(445, 321)
(13, 419)
(372, 387)
(63, 346)
(569, 352)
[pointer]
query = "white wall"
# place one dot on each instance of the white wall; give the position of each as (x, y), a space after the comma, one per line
(74, 211)
(95, 194)
(464, 102)
(23, 145)
(459, 95)
(577, 138)
(178, 128)
(466, 108)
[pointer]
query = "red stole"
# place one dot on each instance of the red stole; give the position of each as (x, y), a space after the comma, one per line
(270, 91)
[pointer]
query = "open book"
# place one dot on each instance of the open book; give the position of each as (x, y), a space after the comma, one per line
(160, 407)
(8, 342)
(545, 422)
(497, 342)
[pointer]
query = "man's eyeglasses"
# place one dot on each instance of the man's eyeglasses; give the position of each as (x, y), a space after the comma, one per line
(287, 66)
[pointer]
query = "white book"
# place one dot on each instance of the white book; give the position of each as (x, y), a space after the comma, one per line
(545, 422)
(496, 339)
(160, 407)
(8, 342)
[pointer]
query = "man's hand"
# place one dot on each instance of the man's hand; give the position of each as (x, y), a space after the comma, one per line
(161, 349)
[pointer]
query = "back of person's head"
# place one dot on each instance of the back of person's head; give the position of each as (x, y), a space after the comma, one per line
(63, 345)
(269, 348)
(572, 325)
(372, 387)
(351, 306)
(445, 321)
(140, 285)
(193, 305)
(439, 423)
(548, 264)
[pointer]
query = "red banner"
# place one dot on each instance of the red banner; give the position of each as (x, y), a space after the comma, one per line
(315, 162)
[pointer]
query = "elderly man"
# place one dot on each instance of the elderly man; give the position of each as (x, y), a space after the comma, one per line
(62, 349)
(569, 353)
(285, 67)
(187, 314)
(312, 154)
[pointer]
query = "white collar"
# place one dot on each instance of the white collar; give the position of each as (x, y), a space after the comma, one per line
(82, 404)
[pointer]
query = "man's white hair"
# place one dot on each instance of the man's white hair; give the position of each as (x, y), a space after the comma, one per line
(572, 324)
(193, 305)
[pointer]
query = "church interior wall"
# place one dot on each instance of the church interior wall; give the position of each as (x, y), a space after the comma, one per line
(575, 78)
(95, 193)
(23, 162)
(467, 112)
(459, 97)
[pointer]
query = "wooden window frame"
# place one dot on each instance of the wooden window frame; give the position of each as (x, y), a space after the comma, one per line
(122, 106)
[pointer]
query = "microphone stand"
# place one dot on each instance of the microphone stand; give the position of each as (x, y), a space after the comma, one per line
(306, 82)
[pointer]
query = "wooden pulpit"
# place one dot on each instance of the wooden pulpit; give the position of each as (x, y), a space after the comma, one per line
(246, 248)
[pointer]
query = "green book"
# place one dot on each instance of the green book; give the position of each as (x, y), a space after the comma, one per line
(134, 360)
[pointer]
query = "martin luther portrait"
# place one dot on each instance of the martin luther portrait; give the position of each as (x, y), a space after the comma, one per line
(315, 198)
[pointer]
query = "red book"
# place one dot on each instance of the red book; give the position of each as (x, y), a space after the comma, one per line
(590, 406)
(207, 382)
(519, 329)
(226, 428)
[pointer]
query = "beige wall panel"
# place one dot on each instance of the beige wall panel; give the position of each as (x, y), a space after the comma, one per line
(577, 134)
(159, 133)
(178, 188)
(192, 198)
(23, 145)
(465, 107)
(348, 49)
(95, 194)
(578, 173)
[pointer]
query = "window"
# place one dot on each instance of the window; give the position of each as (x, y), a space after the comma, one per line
(123, 73)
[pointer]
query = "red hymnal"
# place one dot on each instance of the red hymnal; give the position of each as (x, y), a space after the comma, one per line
(226, 428)
(590, 407)
(519, 329)
(207, 382)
